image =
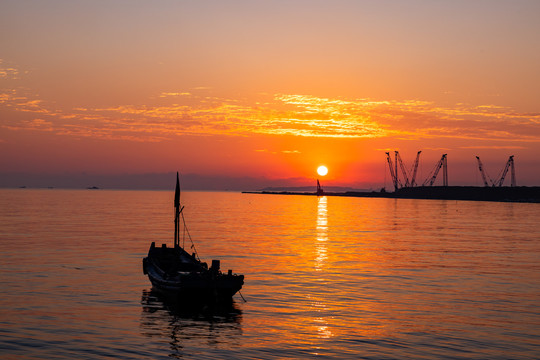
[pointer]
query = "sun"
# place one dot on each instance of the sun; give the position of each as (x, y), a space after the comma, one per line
(322, 170)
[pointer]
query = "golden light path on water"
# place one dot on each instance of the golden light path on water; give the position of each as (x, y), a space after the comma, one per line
(323, 329)
(325, 276)
(322, 232)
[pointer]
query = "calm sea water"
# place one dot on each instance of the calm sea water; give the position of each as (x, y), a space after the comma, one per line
(326, 277)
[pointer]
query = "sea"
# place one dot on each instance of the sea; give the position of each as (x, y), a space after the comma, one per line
(325, 277)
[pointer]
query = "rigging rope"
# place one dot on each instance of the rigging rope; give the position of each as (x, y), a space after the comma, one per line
(190, 239)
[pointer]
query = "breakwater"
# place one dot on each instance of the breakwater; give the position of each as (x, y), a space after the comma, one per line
(473, 193)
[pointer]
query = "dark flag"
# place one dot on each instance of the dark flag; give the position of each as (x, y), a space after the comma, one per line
(177, 193)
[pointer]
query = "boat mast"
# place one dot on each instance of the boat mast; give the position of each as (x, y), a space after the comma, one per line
(177, 212)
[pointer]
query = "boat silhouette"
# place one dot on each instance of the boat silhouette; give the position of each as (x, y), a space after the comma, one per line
(174, 272)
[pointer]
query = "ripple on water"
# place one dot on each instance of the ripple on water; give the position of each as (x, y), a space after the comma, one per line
(325, 277)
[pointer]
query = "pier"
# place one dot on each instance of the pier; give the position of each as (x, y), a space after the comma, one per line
(529, 194)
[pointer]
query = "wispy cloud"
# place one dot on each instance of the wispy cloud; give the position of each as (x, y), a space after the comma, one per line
(495, 147)
(7, 72)
(184, 113)
(170, 94)
(10, 98)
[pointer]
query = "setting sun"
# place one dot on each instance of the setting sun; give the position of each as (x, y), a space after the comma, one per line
(322, 170)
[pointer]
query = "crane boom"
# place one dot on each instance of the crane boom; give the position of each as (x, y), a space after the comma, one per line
(392, 173)
(403, 170)
(415, 167)
(512, 173)
(445, 170)
(484, 175)
(441, 163)
(500, 180)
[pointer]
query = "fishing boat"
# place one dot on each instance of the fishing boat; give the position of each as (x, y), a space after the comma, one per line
(174, 271)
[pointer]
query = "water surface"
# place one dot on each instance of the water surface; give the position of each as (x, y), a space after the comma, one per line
(326, 277)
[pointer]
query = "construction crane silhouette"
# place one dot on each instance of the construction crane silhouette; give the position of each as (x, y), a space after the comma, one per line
(498, 182)
(393, 172)
(485, 177)
(403, 171)
(433, 175)
(393, 165)
(509, 164)
(415, 167)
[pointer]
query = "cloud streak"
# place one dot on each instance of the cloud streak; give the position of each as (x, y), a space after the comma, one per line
(7, 72)
(182, 113)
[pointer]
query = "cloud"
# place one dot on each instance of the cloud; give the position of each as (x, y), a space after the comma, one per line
(8, 72)
(10, 98)
(275, 152)
(265, 151)
(496, 147)
(169, 94)
(279, 114)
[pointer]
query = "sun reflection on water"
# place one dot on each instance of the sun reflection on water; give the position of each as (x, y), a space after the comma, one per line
(322, 233)
(318, 303)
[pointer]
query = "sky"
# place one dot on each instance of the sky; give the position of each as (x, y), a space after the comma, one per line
(266, 91)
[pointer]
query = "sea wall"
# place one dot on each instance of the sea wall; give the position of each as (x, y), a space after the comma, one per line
(518, 193)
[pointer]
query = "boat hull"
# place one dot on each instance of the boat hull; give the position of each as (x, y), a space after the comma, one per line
(195, 283)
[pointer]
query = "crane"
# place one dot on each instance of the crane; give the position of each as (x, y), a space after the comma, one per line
(442, 163)
(485, 177)
(405, 177)
(392, 172)
(415, 167)
(393, 165)
(509, 164)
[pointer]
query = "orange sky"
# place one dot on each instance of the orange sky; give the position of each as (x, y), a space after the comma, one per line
(270, 89)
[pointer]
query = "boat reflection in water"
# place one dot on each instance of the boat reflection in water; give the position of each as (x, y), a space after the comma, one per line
(190, 325)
